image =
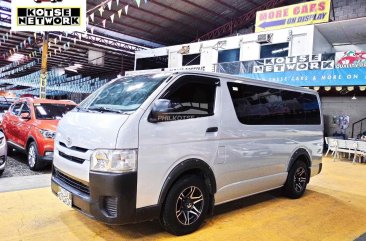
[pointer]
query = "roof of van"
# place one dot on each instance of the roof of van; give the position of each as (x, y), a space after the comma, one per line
(248, 80)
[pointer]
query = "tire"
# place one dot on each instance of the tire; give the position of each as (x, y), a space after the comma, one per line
(1, 172)
(180, 213)
(33, 158)
(297, 180)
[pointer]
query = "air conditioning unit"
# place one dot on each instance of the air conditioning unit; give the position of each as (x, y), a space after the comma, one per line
(184, 50)
(264, 38)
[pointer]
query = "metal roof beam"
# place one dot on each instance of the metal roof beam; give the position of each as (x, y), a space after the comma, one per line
(151, 23)
(206, 9)
(183, 13)
(228, 5)
(248, 17)
(186, 26)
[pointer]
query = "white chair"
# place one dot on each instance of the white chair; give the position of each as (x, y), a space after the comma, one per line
(360, 151)
(332, 145)
(344, 147)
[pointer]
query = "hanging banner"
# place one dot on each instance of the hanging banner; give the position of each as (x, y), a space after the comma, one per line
(55, 15)
(279, 64)
(333, 77)
(293, 15)
(297, 63)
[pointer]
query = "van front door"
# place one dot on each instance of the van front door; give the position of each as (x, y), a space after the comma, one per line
(188, 130)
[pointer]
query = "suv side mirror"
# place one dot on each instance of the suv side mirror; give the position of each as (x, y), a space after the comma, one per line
(159, 109)
(25, 116)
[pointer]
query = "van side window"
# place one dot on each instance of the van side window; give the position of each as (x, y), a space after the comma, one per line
(257, 105)
(192, 97)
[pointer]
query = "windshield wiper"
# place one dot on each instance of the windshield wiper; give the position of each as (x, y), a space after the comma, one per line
(105, 109)
(79, 109)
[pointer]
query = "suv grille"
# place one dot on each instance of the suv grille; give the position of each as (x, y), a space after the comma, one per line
(71, 182)
(71, 158)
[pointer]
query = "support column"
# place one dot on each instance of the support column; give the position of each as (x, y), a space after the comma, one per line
(43, 81)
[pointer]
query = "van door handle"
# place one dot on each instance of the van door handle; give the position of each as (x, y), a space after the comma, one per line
(212, 129)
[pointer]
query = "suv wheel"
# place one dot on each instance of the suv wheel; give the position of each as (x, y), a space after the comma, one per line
(33, 158)
(297, 180)
(185, 206)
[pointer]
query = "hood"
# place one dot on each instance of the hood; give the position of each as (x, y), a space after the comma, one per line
(90, 130)
(50, 125)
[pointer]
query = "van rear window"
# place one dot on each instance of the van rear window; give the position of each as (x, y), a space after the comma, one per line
(258, 105)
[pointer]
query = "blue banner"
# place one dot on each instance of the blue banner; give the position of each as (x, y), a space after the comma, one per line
(333, 77)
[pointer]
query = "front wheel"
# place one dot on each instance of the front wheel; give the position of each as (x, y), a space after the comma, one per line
(33, 158)
(185, 206)
(297, 180)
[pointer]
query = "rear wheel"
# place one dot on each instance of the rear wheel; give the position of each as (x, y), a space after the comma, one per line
(185, 206)
(298, 176)
(33, 158)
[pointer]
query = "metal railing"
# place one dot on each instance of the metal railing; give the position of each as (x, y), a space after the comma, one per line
(361, 123)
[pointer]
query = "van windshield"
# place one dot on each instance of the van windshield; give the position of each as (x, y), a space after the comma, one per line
(124, 94)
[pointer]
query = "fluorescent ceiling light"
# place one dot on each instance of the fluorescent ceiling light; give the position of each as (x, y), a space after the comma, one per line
(279, 50)
(16, 57)
(74, 68)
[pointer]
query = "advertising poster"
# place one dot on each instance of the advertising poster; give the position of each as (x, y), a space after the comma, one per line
(306, 13)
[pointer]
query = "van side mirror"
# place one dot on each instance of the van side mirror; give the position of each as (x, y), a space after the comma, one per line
(159, 110)
(25, 116)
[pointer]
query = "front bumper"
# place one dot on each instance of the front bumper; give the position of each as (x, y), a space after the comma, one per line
(46, 158)
(108, 197)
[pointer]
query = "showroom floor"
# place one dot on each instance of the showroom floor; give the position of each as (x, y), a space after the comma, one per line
(333, 208)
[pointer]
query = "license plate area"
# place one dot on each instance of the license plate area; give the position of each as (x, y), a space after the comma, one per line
(65, 196)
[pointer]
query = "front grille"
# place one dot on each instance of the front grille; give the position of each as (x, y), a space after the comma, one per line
(74, 148)
(71, 182)
(110, 206)
(71, 158)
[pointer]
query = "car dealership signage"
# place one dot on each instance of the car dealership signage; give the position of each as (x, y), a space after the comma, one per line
(293, 15)
(48, 15)
(297, 63)
(335, 69)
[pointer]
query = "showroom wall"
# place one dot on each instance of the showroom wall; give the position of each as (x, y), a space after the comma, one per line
(347, 9)
(336, 106)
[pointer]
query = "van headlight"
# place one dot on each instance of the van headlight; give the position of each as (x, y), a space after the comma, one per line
(114, 161)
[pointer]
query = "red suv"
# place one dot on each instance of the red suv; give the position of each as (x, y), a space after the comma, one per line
(30, 126)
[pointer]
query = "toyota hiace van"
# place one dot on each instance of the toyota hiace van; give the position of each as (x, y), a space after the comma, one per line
(172, 146)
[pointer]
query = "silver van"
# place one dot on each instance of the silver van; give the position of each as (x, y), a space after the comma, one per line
(171, 146)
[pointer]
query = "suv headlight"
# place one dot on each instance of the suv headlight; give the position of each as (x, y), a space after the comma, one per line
(114, 161)
(48, 134)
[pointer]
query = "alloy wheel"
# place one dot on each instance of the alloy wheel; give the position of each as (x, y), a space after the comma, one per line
(32, 156)
(189, 205)
(300, 179)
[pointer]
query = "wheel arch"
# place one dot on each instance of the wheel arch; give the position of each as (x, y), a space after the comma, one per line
(300, 154)
(189, 166)
(29, 141)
